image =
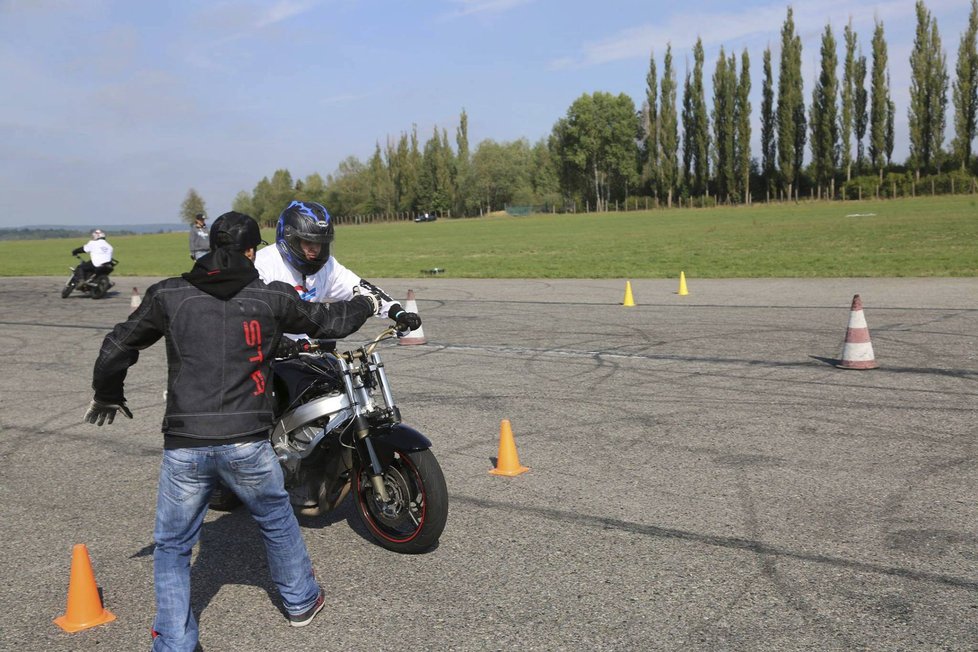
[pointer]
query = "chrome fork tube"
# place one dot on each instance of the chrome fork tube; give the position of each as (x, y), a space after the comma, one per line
(363, 432)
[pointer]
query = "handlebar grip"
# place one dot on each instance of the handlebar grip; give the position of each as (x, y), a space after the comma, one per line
(312, 346)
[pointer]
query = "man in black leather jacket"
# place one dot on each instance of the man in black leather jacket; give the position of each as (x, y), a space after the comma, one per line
(221, 324)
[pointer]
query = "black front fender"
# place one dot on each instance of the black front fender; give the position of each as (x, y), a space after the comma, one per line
(397, 437)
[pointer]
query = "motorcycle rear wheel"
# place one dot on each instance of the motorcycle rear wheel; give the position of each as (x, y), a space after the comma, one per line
(102, 286)
(415, 516)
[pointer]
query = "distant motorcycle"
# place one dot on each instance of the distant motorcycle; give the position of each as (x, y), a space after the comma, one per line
(95, 284)
(338, 431)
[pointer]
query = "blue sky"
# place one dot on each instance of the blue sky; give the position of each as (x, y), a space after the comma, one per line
(113, 109)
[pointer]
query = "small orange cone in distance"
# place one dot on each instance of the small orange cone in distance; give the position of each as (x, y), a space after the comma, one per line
(84, 604)
(682, 285)
(508, 462)
(629, 301)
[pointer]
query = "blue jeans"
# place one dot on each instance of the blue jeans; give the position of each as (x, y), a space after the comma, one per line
(187, 477)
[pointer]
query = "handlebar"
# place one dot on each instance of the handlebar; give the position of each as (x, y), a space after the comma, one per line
(316, 346)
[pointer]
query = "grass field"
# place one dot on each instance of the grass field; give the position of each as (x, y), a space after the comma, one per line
(904, 237)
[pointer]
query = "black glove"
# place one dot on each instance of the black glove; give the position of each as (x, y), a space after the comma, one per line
(288, 348)
(406, 321)
(99, 412)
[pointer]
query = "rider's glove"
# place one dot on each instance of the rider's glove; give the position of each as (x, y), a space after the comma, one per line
(405, 321)
(99, 412)
(288, 348)
(375, 299)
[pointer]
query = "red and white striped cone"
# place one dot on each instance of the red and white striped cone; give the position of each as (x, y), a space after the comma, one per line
(415, 336)
(857, 353)
(135, 300)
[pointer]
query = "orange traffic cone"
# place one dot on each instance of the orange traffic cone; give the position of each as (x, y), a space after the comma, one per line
(508, 462)
(84, 604)
(415, 336)
(135, 300)
(857, 352)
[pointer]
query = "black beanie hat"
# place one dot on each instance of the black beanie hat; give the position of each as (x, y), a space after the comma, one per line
(236, 231)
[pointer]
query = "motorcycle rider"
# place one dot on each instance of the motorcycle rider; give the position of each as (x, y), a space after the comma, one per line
(100, 252)
(221, 324)
(301, 257)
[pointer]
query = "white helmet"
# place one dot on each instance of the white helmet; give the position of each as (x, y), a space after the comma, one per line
(98, 234)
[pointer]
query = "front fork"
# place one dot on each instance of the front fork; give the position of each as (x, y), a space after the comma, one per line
(359, 399)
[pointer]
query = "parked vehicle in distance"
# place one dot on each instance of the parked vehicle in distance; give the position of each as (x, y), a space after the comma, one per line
(427, 217)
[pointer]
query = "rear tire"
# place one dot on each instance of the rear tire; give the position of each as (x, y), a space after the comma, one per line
(102, 286)
(414, 518)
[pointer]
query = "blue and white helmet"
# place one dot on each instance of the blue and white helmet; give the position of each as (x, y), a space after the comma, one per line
(308, 221)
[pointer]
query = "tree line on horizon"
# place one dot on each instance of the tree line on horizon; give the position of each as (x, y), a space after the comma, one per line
(675, 148)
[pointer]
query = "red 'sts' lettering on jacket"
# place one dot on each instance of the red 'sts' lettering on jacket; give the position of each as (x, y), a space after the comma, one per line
(252, 334)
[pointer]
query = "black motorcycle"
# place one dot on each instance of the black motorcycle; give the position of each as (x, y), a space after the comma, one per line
(338, 430)
(94, 283)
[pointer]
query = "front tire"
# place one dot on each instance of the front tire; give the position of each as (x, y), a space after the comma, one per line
(414, 518)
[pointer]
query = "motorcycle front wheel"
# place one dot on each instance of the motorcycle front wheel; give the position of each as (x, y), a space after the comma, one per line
(66, 290)
(416, 511)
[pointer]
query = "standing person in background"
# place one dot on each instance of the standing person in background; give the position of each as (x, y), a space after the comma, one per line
(200, 244)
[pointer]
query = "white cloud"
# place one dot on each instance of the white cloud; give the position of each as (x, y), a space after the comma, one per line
(283, 10)
(734, 29)
(470, 7)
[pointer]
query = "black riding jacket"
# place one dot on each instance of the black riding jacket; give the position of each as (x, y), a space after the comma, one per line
(221, 325)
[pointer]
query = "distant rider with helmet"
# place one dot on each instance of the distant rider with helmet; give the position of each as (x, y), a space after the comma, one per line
(301, 257)
(100, 252)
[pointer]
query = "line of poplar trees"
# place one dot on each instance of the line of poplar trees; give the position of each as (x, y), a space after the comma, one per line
(676, 148)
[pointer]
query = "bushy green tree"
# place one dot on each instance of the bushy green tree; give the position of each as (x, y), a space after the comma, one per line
(596, 144)
(192, 204)
(435, 180)
(500, 174)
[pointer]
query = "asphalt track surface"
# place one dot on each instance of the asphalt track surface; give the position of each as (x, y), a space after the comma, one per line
(702, 477)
